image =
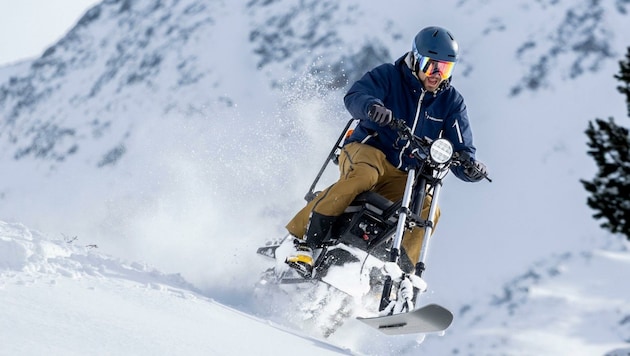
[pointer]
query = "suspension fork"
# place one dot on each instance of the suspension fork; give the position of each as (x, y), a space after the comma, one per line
(398, 236)
(428, 229)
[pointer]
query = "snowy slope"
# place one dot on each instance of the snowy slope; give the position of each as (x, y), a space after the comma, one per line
(58, 296)
(571, 304)
(61, 298)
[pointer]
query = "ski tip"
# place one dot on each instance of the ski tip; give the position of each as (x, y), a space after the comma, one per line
(431, 318)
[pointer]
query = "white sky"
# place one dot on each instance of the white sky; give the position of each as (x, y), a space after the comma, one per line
(28, 27)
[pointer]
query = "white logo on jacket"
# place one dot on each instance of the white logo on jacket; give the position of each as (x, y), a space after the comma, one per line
(426, 113)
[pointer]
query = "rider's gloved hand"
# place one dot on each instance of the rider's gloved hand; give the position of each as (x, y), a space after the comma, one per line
(380, 114)
(476, 171)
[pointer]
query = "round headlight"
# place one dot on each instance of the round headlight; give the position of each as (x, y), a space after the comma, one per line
(441, 151)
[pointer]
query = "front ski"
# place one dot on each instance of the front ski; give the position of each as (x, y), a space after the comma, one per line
(428, 319)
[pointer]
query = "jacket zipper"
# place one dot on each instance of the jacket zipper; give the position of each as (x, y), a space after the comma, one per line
(413, 129)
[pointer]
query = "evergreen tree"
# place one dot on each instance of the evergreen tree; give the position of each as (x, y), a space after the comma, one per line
(609, 146)
(624, 78)
(610, 189)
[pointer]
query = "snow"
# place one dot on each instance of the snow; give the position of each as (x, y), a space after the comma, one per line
(177, 220)
(59, 298)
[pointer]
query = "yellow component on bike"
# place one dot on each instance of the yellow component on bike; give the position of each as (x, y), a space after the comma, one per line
(300, 258)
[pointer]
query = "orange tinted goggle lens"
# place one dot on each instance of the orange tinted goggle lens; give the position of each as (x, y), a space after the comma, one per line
(430, 66)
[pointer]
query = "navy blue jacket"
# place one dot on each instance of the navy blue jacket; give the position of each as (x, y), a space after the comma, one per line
(433, 115)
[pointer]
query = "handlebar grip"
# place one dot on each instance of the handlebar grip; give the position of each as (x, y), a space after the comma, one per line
(398, 124)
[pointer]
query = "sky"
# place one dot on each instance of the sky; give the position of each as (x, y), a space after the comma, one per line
(28, 27)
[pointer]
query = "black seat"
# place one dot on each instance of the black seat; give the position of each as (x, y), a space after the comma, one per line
(372, 201)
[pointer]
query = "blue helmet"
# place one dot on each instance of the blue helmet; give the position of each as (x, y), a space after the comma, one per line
(436, 43)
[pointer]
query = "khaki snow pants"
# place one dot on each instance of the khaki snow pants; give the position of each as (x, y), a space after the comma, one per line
(362, 168)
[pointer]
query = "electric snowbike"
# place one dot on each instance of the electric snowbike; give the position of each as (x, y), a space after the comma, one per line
(368, 236)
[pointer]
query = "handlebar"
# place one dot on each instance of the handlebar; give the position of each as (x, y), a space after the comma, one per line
(460, 158)
(399, 125)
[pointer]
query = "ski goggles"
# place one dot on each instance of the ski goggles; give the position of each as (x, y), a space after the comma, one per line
(431, 66)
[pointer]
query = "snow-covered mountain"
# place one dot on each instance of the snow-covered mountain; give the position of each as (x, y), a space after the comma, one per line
(183, 133)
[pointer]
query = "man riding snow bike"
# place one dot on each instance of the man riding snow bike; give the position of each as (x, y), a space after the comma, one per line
(375, 158)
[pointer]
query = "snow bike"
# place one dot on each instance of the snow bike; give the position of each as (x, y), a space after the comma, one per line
(368, 236)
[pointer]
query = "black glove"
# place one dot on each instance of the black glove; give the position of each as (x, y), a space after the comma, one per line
(380, 114)
(476, 171)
